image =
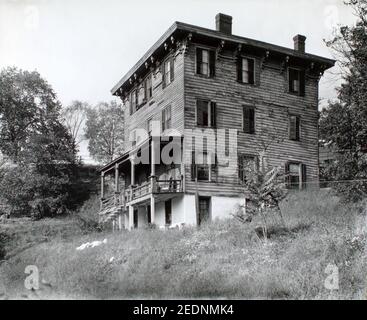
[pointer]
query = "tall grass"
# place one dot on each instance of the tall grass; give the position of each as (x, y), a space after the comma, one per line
(221, 259)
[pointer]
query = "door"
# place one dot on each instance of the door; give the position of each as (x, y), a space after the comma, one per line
(168, 210)
(204, 210)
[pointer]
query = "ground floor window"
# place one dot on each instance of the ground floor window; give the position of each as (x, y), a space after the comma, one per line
(204, 209)
(295, 175)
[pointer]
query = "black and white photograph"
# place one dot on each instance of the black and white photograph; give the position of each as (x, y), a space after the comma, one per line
(199, 152)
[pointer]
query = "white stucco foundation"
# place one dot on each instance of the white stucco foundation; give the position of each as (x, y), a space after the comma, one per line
(184, 210)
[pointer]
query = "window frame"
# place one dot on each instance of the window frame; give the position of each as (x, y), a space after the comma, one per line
(165, 120)
(301, 82)
(302, 175)
(252, 129)
(298, 127)
(240, 64)
(211, 107)
(148, 79)
(211, 64)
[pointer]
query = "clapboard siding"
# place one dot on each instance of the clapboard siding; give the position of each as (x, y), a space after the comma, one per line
(161, 98)
(273, 105)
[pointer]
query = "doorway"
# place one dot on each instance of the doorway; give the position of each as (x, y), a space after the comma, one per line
(204, 210)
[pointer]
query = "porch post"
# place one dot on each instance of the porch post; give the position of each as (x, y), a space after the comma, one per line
(132, 159)
(152, 181)
(102, 188)
(131, 217)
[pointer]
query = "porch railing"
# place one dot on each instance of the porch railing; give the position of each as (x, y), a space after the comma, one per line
(159, 186)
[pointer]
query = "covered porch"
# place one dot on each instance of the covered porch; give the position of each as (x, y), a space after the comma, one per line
(141, 178)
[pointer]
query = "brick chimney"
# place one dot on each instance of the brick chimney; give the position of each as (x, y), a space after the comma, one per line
(223, 23)
(299, 43)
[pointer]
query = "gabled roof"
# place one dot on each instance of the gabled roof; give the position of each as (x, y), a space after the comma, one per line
(180, 28)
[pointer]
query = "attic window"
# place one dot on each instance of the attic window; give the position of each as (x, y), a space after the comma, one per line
(296, 79)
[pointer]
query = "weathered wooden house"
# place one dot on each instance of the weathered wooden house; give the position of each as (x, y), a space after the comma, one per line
(195, 80)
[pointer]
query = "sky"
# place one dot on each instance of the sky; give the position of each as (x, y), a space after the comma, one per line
(83, 47)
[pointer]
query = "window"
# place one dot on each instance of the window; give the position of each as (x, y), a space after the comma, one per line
(246, 70)
(133, 101)
(166, 118)
(168, 212)
(248, 119)
(206, 113)
(247, 164)
(296, 81)
(133, 142)
(168, 72)
(148, 87)
(203, 171)
(140, 97)
(150, 126)
(294, 128)
(295, 175)
(205, 62)
(204, 210)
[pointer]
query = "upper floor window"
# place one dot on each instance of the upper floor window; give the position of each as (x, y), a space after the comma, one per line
(168, 72)
(205, 62)
(204, 169)
(295, 175)
(133, 101)
(296, 79)
(166, 118)
(248, 119)
(148, 87)
(246, 70)
(294, 128)
(206, 113)
(150, 126)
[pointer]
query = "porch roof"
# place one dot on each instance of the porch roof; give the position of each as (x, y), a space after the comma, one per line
(125, 157)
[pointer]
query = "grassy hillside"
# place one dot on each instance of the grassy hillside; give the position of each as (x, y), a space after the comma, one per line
(222, 259)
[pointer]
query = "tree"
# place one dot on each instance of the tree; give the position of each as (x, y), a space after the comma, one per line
(26, 102)
(74, 117)
(264, 190)
(343, 123)
(105, 131)
(44, 180)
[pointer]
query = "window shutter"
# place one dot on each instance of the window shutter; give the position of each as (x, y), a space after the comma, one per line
(293, 128)
(193, 166)
(239, 69)
(290, 80)
(286, 172)
(251, 120)
(214, 168)
(163, 119)
(251, 70)
(212, 63)
(145, 89)
(131, 103)
(199, 60)
(302, 79)
(213, 113)
(297, 128)
(240, 168)
(246, 118)
(163, 75)
(304, 176)
(172, 71)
